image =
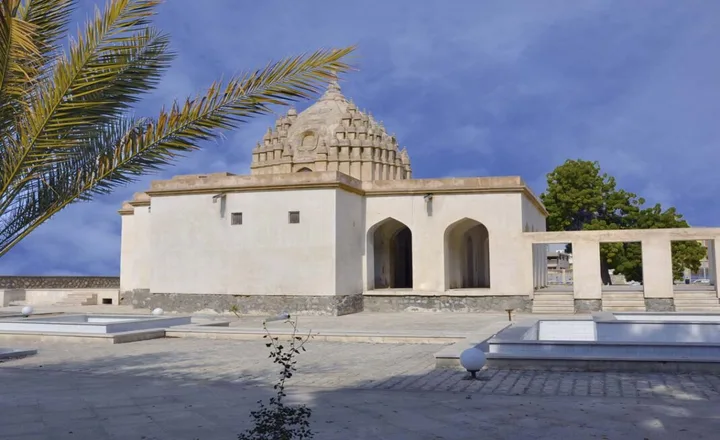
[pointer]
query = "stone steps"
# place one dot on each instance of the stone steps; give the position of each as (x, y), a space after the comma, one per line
(79, 299)
(703, 301)
(623, 301)
(551, 303)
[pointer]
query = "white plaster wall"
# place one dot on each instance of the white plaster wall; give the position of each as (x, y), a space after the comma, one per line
(533, 220)
(127, 253)
(195, 249)
(350, 243)
(510, 253)
(142, 259)
(532, 216)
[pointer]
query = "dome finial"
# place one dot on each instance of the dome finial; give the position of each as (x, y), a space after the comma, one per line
(333, 91)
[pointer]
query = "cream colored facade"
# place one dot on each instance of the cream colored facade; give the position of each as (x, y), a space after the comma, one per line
(457, 237)
(330, 220)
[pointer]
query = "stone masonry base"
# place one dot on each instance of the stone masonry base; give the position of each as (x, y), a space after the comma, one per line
(468, 304)
(347, 304)
(321, 305)
(245, 304)
(659, 304)
(588, 305)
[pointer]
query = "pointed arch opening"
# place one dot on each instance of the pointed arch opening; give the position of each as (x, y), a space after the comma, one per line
(390, 242)
(467, 255)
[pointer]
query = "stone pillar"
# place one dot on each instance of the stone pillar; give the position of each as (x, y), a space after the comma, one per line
(344, 167)
(355, 163)
(127, 257)
(355, 170)
(543, 265)
(367, 170)
(525, 273)
(536, 266)
(714, 262)
(587, 283)
(657, 267)
(321, 163)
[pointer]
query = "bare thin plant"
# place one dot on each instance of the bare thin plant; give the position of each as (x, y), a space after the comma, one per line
(277, 420)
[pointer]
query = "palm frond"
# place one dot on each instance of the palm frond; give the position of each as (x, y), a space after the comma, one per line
(121, 149)
(60, 109)
(19, 62)
(50, 20)
(93, 62)
(144, 57)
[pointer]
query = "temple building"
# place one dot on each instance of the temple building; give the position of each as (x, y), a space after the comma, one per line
(330, 221)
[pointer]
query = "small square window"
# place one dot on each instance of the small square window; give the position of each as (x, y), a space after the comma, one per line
(236, 218)
(294, 217)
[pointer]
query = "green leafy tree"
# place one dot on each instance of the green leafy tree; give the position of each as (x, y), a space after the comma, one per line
(580, 197)
(66, 132)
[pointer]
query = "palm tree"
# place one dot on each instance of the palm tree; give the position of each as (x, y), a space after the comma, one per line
(65, 129)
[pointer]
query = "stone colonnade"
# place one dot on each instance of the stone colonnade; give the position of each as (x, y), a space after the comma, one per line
(656, 256)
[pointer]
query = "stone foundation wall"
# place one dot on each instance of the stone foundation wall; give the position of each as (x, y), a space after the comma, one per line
(588, 305)
(245, 304)
(59, 282)
(467, 304)
(659, 304)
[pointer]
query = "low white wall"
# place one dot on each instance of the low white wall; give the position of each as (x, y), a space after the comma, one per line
(566, 330)
(8, 296)
(658, 332)
(675, 317)
(48, 297)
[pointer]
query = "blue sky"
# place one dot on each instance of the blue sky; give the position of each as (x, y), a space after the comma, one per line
(471, 88)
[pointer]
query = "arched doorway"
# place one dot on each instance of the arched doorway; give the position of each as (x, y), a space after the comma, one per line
(391, 243)
(467, 255)
(304, 170)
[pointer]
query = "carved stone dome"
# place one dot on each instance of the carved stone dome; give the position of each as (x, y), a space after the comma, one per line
(331, 135)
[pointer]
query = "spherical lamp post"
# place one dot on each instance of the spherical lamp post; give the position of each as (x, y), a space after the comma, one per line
(472, 359)
(26, 311)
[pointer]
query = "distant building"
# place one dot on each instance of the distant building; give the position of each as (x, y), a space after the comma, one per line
(703, 273)
(559, 260)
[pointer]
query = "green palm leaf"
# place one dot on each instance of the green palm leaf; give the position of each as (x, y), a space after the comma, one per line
(73, 138)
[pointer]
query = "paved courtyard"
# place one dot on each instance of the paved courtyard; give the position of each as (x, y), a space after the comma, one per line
(205, 389)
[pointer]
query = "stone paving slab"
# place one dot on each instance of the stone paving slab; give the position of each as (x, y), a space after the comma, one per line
(401, 367)
(205, 389)
(423, 322)
(86, 406)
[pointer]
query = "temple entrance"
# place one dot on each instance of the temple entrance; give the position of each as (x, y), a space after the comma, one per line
(391, 242)
(467, 255)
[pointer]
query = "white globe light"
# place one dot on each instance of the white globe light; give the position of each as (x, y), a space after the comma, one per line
(158, 311)
(472, 359)
(27, 311)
